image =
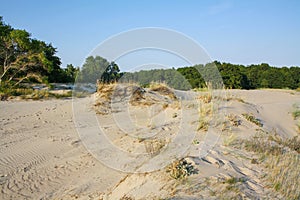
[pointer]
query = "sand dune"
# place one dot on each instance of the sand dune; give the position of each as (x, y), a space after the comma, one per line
(42, 156)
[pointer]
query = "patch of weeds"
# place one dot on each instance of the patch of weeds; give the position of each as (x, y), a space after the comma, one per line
(251, 118)
(233, 119)
(292, 143)
(234, 180)
(206, 98)
(153, 147)
(281, 158)
(296, 114)
(205, 112)
(203, 125)
(181, 169)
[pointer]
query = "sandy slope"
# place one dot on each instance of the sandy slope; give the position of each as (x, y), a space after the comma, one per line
(43, 157)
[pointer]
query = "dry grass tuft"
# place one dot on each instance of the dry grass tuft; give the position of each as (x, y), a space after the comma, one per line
(205, 112)
(281, 158)
(162, 89)
(233, 120)
(206, 98)
(251, 118)
(153, 147)
(103, 98)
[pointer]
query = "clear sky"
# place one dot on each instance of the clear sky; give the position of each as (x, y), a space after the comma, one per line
(236, 31)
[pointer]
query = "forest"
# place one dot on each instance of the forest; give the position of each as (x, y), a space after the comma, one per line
(24, 59)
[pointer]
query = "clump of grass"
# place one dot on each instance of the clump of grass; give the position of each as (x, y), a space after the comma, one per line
(251, 118)
(105, 91)
(181, 169)
(206, 98)
(203, 124)
(296, 114)
(153, 147)
(292, 143)
(233, 119)
(205, 112)
(103, 97)
(281, 158)
(259, 144)
(234, 180)
(162, 89)
(233, 184)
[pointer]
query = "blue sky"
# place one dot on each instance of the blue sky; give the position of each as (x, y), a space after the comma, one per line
(242, 32)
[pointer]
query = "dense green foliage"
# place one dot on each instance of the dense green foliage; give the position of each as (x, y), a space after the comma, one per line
(233, 76)
(98, 69)
(24, 59)
(169, 76)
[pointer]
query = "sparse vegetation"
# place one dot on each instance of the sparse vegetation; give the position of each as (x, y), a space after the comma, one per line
(28, 93)
(296, 114)
(251, 118)
(281, 158)
(153, 147)
(233, 119)
(205, 111)
(162, 89)
(181, 169)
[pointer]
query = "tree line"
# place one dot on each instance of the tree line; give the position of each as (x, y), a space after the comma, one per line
(247, 77)
(25, 59)
(229, 75)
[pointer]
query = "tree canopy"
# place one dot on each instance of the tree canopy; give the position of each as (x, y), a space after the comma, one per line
(99, 69)
(233, 76)
(23, 58)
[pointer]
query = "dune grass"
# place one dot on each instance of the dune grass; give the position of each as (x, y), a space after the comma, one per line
(253, 119)
(281, 158)
(205, 110)
(162, 89)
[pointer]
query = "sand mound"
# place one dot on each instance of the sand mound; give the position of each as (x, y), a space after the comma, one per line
(108, 94)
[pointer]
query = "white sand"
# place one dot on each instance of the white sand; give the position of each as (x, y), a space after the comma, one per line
(43, 157)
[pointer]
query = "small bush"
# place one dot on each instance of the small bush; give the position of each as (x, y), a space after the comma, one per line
(181, 169)
(251, 118)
